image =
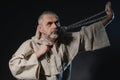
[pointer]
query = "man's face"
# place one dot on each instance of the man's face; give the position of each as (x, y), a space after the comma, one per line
(50, 26)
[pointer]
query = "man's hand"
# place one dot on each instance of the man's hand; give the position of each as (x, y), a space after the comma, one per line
(42, 50)
(109, 11)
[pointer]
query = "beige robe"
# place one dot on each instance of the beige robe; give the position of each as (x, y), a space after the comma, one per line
(24, 64)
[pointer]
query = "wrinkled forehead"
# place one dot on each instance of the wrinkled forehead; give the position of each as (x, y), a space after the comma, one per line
(49, 19)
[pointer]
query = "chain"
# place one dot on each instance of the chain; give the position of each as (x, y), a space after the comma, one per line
(47, 57)
(83, 24)
(85, 21)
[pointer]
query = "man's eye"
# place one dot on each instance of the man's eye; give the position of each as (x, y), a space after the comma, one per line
(49, 23)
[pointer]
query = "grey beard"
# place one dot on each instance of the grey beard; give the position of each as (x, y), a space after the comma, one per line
(53, 37)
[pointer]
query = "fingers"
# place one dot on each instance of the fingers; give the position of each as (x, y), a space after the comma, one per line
(109, 11)
(108, 6)
(109, 3)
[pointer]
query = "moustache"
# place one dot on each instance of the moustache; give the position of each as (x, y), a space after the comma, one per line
(55, 31)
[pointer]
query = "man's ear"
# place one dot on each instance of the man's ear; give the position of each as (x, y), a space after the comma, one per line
(39, 28)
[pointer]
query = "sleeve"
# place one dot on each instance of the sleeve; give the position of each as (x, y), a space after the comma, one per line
(94, 37)
(24, 63)
(89, 38)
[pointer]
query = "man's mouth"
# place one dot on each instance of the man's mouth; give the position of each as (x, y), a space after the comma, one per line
(54, 31)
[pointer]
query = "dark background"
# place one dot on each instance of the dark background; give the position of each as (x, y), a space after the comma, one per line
(18, 20)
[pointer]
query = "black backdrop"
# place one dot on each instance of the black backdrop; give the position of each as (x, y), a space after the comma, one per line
(19, 20)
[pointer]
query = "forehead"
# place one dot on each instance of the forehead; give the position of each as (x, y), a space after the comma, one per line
(50, 17)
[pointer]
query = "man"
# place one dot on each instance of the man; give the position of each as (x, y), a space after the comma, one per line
(48, 55)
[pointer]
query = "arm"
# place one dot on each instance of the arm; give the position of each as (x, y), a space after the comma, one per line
(110, 14)
(24, 62)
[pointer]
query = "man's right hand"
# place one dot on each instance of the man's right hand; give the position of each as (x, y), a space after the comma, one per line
(42, 50)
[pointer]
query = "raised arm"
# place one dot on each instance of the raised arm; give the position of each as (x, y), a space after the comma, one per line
(110, 14)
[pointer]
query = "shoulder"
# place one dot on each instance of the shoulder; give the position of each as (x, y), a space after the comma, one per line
(25, 45)
(26, 42)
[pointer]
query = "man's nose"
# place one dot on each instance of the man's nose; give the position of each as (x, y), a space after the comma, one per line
(54, 25)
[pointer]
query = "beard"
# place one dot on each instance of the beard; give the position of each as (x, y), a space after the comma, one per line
(53, 35)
